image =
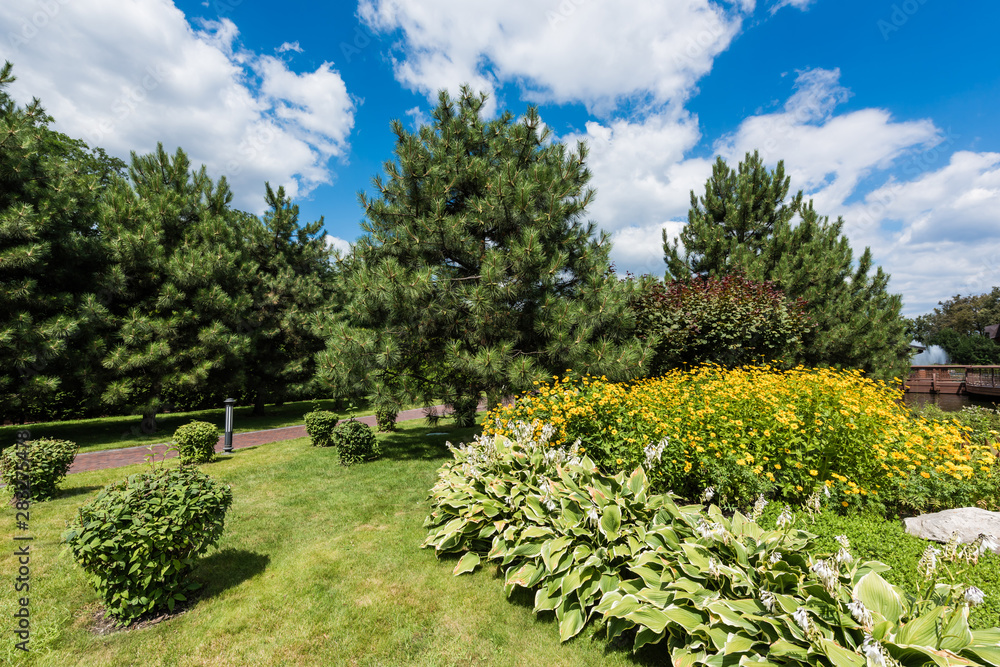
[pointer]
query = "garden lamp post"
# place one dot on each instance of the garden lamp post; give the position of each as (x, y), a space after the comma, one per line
(227, 447)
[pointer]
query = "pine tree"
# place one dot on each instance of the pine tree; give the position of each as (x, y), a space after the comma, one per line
(179, 275)
(477, 273)
(294, 281)
(51, 260)
(734, 221)
(744, 224)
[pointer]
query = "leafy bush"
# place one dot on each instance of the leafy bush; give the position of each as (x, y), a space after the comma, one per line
(729, 320)
(706, 588)
(140, 538)
(35, 468)
(320, 426)
(798, 430)
(356, 443)
(196, 442)
(385, 420)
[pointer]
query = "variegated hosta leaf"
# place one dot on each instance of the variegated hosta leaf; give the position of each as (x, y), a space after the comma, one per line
(702, 587)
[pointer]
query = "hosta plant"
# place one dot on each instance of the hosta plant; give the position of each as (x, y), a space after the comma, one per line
(705, 588)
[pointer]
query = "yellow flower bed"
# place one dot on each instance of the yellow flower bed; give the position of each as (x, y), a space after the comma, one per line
(760, 429)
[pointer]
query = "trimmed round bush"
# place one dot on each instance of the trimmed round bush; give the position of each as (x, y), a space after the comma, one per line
(356, 443)
(35, 468)
(196, 442)
(140, 538)
(319, 426)
(385, 420)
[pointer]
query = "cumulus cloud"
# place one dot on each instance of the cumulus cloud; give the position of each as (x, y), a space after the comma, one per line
(124, 75)
(644, 178)
(290, 46)
(560, 50)
(338, 244)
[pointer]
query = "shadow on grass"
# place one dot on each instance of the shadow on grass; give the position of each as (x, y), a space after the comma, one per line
(415, 443)
(76, 491)
(227, 568)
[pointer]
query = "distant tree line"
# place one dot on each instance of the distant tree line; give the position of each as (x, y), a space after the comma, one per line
(138, 287)
(964, 326)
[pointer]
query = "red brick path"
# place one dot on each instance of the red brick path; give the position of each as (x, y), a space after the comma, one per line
(114, 458)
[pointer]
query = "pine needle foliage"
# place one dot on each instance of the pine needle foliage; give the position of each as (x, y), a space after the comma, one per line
(747, 223)
(179, 275)
(478, 272)
(51, 309)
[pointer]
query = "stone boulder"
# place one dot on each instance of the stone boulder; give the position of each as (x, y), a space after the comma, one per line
(968, 521)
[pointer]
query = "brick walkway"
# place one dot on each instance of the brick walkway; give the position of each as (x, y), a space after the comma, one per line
(115, 458)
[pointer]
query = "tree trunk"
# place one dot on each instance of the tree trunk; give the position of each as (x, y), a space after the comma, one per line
(149, 422)
(258, 403)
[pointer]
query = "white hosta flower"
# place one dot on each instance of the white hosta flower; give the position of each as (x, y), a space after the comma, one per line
(758, 507)
(826, 490)
(654, 452)
(844, 557)
(843, 541)
(988, 543)
(801, 617)
(713, 567)
(550, 505)
(813, 503)
(827, 575)
(768, 600)
(873, 652)
(974, 596)
(708, 494)
(774, 557)
(860, 613)
(928, 562)
(592, 516)
(785, 519)
(950, 551)
(711, 530)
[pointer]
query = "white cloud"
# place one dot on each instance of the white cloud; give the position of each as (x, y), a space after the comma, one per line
(938, 234)
(826, 154)
(639, 170)
(123, 75)
(559, 50)
(290, 46)
(798, 4)
(338, 244)
(644, 179)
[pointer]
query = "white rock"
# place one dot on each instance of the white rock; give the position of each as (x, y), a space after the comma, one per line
(968, 521)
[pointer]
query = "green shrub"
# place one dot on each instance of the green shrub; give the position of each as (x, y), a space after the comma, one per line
(704, 587)
(33, 469)
(140, 538)
(196, 442)
(385, 419)
(320, 426)
(356, 443)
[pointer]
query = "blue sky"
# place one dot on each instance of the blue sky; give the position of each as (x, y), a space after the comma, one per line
(885, 113)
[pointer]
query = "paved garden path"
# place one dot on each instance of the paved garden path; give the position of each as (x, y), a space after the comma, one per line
(115, 458)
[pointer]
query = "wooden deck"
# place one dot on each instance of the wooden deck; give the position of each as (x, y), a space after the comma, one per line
(954, 379)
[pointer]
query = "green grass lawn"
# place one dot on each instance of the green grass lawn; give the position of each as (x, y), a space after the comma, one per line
(115, 432)
(319, 565)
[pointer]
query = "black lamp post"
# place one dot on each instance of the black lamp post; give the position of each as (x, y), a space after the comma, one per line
(227, 447)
